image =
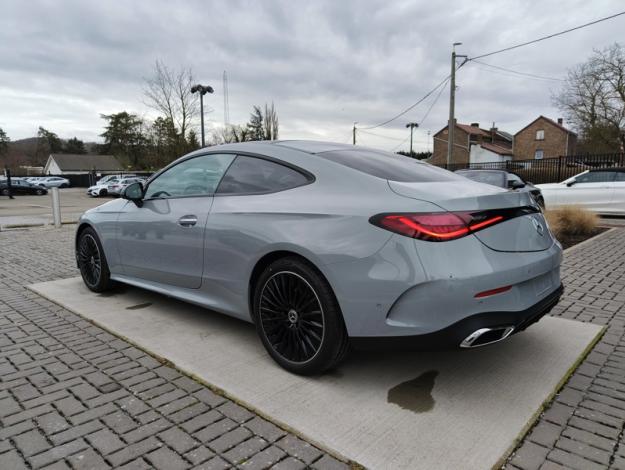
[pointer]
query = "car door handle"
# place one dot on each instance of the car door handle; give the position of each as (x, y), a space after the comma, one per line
(187, 221)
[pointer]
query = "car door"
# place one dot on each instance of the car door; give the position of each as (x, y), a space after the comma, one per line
(238, 227)
(162, 239)
(617, 205)
(591, 190)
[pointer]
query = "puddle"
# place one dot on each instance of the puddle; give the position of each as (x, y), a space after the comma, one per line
(414, 395)
(138, 306)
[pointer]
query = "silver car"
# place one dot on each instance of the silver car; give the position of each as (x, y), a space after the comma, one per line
(324, 245)
(53, 181)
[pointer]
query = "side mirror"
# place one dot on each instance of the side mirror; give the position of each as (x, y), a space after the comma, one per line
(570, 183)
(134, 192)
(516, 184)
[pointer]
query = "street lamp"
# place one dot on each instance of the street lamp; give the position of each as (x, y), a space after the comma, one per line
(202, 90)
(412, 125)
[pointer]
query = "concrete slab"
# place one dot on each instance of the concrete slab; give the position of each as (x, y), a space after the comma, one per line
(457, 409)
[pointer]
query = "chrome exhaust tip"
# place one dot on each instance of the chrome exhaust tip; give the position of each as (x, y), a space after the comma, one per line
(485, 336)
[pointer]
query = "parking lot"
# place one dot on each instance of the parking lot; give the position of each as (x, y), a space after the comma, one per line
(37, 210)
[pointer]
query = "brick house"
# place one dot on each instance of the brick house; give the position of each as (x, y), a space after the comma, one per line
(544, 138)
(471, 142)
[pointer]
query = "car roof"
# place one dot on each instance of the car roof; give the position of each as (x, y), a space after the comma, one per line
(306, 146)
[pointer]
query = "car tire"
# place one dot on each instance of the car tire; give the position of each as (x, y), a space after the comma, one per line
(298, 318)
(92, 262)
(5, 192)
(102, 193)
(38, 192)
(64, 185)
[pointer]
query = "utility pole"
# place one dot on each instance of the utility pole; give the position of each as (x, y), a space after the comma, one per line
(354, 134)
(412, 125)
(452, 103)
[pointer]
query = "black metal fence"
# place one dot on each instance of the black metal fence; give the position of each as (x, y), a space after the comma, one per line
(86, 179)
(548, 170)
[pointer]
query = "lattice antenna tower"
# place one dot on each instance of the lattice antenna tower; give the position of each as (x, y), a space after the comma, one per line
(226, 102)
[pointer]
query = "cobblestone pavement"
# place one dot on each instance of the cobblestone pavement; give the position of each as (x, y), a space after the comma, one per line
(74, 396)
(582, 428)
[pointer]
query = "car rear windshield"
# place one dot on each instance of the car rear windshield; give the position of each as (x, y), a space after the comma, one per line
(489, 177)
(389, 166)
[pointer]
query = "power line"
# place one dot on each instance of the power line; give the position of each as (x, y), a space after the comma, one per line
(379, 135)
(524, 74)
(548, 37)
(433, 103)
(409, 107)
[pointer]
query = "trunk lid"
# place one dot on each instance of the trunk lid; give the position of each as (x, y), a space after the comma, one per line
(519, 234)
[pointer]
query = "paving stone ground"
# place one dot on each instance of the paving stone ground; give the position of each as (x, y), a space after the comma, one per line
(73, 396)
(582, 428)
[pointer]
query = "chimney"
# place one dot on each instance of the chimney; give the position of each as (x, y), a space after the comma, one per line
(560, 121)
(493, 134)
(475, 124)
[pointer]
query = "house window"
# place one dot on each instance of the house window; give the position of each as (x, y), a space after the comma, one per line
(538, 155)
(540, 134)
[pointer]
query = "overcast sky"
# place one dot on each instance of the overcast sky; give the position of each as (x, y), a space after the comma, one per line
(325, 64)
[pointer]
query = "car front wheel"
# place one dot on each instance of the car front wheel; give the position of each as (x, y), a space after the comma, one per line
(298, 318)
(92, 262)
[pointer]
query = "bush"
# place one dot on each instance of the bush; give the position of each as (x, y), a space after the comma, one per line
(571, 221)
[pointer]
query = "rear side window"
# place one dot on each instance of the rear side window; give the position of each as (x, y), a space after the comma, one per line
(620, 176)
(596, 177)
(389, 166)
(255, 175)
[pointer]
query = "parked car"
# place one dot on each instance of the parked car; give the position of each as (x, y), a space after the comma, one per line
(504, 179)
(601, 191)
(20, 186)
(100, 189)
(108, 178)
(54, 181)
(321, 245)
(116, 187)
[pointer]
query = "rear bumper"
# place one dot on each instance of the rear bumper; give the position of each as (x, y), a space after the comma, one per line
(453, 335)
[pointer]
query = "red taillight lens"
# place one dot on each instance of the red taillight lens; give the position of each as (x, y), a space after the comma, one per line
(437, 226)
(488, 293)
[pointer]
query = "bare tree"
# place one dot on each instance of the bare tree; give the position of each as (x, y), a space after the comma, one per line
(270, 122)
(169, 92)
(593, 99)
(230, 134)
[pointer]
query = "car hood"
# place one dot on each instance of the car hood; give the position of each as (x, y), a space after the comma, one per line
(115, 205)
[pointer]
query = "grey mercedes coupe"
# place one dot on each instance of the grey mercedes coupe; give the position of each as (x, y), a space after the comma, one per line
(325, 245)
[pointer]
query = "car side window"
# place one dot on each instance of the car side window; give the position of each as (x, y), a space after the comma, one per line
(596, 177)
(197, 176)
(248, 175)
(620, 176)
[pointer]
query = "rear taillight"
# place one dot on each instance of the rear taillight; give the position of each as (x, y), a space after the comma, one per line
(444, 226)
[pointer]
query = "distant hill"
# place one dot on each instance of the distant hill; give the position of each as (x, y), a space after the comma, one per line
(28, 151)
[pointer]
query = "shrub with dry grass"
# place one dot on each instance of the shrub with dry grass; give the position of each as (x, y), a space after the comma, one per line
(571, 221)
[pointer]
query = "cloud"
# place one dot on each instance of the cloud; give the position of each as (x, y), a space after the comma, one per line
(325, 64)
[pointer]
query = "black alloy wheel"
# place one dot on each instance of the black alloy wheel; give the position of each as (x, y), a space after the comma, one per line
(298, 318)
(89, 260)
(292, 316)
(92, 262)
